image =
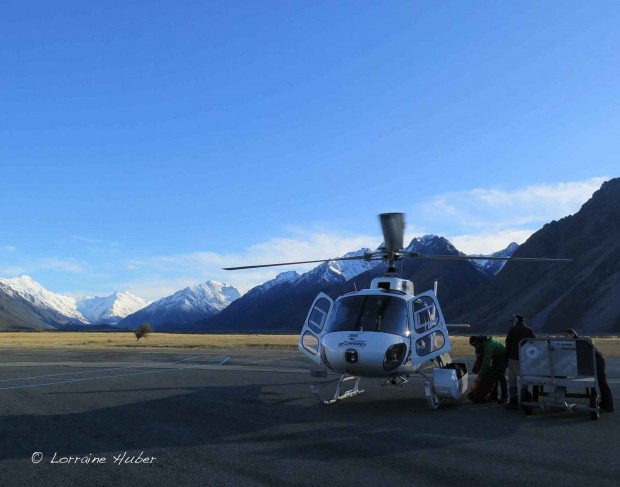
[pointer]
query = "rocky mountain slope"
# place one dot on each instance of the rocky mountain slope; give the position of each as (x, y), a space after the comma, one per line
(17, 313)
(583, 294)
(54, 309)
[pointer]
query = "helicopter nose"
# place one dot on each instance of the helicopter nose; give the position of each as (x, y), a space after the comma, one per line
(351, 356)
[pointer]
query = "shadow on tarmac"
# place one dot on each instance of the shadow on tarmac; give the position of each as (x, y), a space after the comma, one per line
(281, 420)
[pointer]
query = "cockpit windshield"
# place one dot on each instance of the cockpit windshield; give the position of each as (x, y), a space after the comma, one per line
(380, 313)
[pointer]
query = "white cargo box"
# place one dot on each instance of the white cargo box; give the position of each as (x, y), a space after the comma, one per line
(450, 382)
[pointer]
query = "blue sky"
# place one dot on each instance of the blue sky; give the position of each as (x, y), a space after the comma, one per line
(144, 145)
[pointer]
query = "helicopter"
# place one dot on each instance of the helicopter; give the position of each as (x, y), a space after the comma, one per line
(387, 331)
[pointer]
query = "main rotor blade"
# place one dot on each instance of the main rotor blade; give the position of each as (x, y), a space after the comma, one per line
(359, 257)
(393, 225)
(481, 257)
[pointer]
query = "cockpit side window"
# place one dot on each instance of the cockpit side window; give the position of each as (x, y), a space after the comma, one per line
(318, 315)
(424, 313)
(430, 343)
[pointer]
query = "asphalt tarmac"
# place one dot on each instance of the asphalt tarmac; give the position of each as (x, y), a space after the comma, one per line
(246, 418)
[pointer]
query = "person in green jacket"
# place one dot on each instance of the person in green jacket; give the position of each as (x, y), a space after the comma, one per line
(492, 368)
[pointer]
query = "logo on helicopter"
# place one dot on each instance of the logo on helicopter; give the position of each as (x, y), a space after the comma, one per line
(353, 341)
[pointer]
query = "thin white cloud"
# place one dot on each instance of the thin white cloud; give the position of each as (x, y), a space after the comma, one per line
(12, 271)
(58, 264)
(485, 220)
(198, 267)
(558, 198)
(42, 264)
(94, 241)
(487, 243)
(9, 248)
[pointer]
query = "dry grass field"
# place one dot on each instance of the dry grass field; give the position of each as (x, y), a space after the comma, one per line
(98, 340)
(609, 346)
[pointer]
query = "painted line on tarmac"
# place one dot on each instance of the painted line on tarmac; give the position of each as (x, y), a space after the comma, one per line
(95, 370)
(275, 359)
(101, 370)
(263, 369)
(87, 379)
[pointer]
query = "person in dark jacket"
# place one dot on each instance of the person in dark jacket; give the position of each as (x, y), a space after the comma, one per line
(607, 399)
(491, 360)
(517, 332)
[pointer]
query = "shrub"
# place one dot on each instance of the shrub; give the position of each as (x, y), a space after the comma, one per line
(143, 331)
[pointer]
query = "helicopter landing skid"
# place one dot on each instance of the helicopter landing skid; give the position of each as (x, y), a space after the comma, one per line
(316, 389)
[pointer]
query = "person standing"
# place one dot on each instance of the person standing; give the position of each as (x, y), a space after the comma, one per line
(517, 332)
(607, 399)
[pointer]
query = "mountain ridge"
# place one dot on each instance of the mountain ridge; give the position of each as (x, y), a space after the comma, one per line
(54, 310)
(185, 307)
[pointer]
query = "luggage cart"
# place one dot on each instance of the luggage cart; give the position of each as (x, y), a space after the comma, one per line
(558, 369)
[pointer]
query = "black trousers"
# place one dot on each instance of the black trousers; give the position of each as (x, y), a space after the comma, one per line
(499, 368)
(607, 400)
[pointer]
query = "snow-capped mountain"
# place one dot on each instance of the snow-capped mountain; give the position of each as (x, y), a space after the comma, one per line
(432, 245)
(110, 309)
(492, 267)
(184, 307)
(61, 309)
(283, 278)
(351, 268)
(57, 309)
(340, 270)
(333, 271)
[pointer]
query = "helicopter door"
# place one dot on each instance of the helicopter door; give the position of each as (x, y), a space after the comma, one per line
(430, 334)
(314, 327)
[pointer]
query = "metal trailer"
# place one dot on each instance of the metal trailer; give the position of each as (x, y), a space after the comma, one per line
(558, 369)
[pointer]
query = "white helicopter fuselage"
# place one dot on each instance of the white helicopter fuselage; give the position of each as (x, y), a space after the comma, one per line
(381, 332)
(370, 349)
